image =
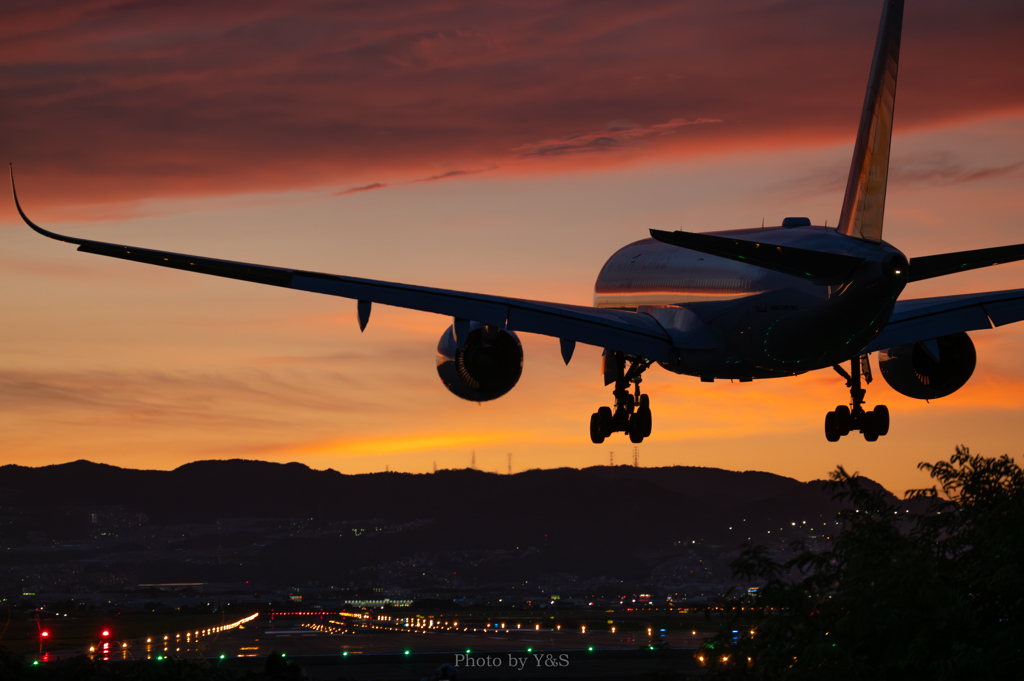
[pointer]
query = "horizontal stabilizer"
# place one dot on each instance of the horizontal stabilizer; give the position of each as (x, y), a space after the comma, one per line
(930, 266)
(818, 266)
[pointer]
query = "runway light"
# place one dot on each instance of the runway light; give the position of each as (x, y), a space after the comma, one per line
(345, 654)
(407, 652)
(467, 651)
(591, 648)
(222, 657)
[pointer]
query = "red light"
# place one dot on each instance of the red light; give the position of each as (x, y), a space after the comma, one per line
(45, 634)
(106, 632)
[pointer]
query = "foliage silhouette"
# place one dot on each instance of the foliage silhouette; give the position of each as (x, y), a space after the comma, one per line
(932, 595)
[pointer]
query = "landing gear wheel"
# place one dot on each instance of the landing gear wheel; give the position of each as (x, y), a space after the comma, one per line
(596, 432)
(880, 418)
(844, 420)
(832, 433)
(604, 415)
(870, 434)
(631, 413)
(642, 421)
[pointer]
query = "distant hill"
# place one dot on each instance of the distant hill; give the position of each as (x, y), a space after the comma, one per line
(617, 521)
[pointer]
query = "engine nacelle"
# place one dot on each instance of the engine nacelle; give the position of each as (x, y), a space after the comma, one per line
(488, 365)
(929, 369)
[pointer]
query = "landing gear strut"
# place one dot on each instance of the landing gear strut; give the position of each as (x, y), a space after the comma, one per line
(872, 424)
(632, 412)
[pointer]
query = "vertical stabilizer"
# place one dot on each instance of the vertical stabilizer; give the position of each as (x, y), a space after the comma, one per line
(864, 203)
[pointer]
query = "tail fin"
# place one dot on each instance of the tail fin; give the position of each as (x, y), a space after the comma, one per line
(864, 202)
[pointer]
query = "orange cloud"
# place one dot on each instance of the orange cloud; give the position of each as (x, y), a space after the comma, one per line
(111, 100)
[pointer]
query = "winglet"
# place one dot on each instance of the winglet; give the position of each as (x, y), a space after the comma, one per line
(864, 202)
(44, 232)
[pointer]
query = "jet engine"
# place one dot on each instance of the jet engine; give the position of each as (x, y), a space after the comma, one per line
(929, 369)
(487, 366)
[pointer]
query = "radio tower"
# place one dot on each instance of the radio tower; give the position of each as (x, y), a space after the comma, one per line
(636, 457)
(611, 458)
(473, 460)
(510, 463)
(435, 466)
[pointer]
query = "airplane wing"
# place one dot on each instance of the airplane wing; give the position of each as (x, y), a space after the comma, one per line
(922, 319)
(628, 332)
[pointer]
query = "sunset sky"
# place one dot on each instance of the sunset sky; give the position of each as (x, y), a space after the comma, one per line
(505, 148)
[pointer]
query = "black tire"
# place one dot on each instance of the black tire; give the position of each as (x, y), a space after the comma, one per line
(831, 427)
(647, 420)
(844, 420)
(607, 424)
(640, 423)
(870, 434)
(635, 437)
(645, 402)
(596, 432)
(880, 418)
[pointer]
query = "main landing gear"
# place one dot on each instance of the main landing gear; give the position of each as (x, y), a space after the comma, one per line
(632, 414)
(872, 424)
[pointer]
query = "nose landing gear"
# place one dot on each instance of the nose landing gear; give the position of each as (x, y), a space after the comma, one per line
(632, 414)
(872, 424)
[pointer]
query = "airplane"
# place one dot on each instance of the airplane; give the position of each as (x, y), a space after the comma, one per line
(742, 304)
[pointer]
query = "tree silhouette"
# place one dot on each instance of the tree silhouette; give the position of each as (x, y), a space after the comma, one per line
(936, 594)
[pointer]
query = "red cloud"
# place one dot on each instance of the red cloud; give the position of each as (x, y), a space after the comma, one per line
(119, 100)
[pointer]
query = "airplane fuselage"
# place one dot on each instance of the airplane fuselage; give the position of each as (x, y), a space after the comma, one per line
(736, 320)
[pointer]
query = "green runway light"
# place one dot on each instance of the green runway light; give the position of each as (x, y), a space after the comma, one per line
(529, 650)
(159, 657)
(36, 662)
(407, 652)
(467, 651)
(222, 656)
(591, 648)
(345, 654)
